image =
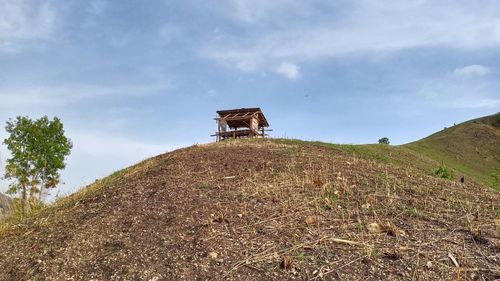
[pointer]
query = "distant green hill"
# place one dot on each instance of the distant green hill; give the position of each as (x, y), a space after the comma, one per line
(471, 148)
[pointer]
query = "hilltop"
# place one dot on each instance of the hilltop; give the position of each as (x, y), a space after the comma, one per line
(264, 209)
(471, 148)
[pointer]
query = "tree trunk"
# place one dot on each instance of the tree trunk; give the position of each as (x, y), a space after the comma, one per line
(26, 201)
(40, 194)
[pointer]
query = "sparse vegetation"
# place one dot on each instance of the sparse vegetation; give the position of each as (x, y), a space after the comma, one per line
(329, 195)
(17, 214)
(443, 172)
(413, 211)
(470, 148)
(204, 185)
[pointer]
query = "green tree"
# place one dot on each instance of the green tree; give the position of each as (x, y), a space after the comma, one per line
(38, 152)
(383, 140)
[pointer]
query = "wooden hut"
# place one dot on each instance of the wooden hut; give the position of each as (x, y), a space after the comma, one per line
(240, 123)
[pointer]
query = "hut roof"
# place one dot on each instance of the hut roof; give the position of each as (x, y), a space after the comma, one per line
(238, 117)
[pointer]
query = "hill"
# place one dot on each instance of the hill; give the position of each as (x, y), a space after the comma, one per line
(264, 209)
(471, 148)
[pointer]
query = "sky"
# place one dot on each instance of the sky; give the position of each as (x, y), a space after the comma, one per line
(133, 79)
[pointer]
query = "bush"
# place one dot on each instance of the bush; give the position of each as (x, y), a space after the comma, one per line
(383, 140)
(443, 172)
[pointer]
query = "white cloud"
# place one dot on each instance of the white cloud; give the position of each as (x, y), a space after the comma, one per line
(475, 103)
(472, 70)
(451, 91)
(306, 32)
(66, 94)
(246, 66)
(288, 70)
(24, 20)
(252, 11)
(96, 144)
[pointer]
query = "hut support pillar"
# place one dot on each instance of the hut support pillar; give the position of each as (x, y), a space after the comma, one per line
(217, 138)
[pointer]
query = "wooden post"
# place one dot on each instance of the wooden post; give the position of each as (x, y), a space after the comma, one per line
(217, 138)
(263, 134)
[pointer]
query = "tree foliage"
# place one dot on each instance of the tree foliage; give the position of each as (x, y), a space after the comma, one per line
(383, 140)
(38, 151)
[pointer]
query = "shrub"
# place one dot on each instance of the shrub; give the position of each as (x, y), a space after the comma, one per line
(383, 140)
(443, 172)
(330, 194)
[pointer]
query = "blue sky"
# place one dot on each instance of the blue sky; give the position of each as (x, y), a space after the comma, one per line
(132, 79)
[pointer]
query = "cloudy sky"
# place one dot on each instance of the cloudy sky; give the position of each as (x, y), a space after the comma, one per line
(132, 79)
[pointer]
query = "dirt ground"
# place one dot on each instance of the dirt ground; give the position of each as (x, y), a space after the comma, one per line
(263, 210)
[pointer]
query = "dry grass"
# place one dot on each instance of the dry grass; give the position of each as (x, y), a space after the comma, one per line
(297, 211)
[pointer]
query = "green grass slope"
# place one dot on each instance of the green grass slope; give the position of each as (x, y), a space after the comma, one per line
(471, 148)
(398, 156)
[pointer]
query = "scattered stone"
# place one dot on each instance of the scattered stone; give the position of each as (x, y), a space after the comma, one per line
(375, 228)
(213, 255)
(310, 220)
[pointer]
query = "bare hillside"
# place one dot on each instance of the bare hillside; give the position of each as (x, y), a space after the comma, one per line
(261, 210)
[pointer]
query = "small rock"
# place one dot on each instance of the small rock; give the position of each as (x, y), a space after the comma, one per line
(213, 255)
(310, 220)
(240, 215)
(429, 265)
(375, 228)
